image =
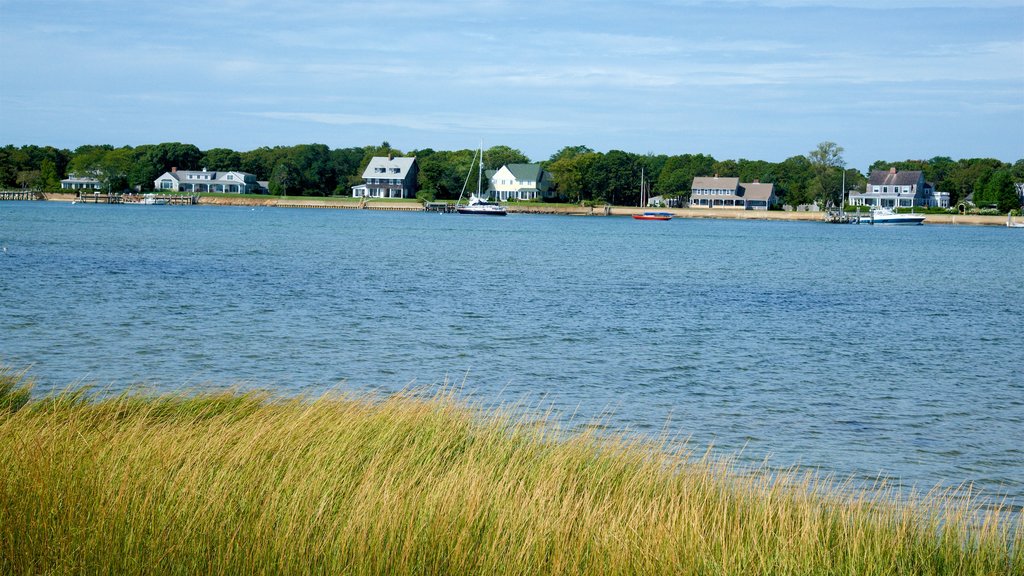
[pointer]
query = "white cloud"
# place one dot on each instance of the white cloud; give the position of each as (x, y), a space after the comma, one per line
(423, 122)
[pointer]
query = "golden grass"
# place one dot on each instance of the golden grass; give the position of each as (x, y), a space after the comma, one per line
(250, 484)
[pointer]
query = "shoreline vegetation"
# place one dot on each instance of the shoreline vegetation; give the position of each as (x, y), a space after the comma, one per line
(422, 483)
(335, 202)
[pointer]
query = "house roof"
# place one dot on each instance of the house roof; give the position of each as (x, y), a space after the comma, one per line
(525, 172)
(214, 175)
(758, 191)
(892, 177)
(402, 163)
(715, 183)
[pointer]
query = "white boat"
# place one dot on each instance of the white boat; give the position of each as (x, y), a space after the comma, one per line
(477, 204)
(1011, 223)
(151, 199)
(889, 217)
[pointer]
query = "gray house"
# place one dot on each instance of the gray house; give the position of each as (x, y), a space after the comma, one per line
(207, 181)
(388, 177)
(718, 192)
(895, 189)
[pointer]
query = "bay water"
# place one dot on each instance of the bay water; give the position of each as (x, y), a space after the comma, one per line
(863, 352)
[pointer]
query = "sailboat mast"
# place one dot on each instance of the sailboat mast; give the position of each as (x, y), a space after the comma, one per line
(480, 172)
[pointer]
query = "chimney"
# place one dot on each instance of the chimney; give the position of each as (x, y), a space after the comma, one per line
(757, 180)
(391, 156)
(174, 169)
(892, 170)
(716, 175)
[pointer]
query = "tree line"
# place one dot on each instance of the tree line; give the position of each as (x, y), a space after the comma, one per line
(580, 173)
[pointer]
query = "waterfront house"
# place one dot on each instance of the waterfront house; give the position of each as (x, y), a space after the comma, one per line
(723, 192)
(388, 177)
(519, 182)
(899, 189)
(204, 180)
(76, 182)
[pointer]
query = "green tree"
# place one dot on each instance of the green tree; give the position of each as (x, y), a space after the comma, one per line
(49, 180)
(221, 159)
(826, 161)
(497, 156)
(793, 182)
(619, 181)
(28, 179)
(678, 172)
(281, 179)
(573, 171)
(1001, 191)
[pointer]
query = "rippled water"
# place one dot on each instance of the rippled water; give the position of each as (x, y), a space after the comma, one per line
(861, 350)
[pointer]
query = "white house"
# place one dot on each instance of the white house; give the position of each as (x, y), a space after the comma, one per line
(207, 181)
(75, 182)
(895, 189)
(719, 192)
(388, 177)
(519, 182)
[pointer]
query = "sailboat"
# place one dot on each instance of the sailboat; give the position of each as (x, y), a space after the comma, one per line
(643, 202)
(477, 204)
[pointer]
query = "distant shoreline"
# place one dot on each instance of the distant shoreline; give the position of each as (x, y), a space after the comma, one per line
(566, 210)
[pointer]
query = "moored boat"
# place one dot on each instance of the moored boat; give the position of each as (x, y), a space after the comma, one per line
(477, 204)
(151, 199)
(653, 216)
(481, 207)
(888, 216)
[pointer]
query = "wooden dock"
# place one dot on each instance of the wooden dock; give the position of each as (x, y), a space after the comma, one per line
(444, 207)
(20, 195)
(97, 198)
(172, 199)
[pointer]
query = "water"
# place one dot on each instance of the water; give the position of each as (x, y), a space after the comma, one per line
(862, 351)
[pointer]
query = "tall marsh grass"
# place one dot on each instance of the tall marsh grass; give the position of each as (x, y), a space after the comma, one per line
(245, 483)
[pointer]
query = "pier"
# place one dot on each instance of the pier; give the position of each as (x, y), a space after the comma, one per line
(20, 195)
(97, 198)
(174, 199)
(443, 207)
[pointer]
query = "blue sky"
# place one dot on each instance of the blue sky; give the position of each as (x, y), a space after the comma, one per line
(757, 79)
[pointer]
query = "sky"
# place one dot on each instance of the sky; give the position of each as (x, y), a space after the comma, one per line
(755, 79)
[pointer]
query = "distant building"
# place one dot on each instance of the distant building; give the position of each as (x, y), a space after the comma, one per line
(207, 181)
(75, 182)
(519, 182)
(388, 177)
(718, 192)
(895, 189)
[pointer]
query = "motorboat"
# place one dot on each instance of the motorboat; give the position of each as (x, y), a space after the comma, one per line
(888, 216)
(653, 216)
(1011, 223)
(151, 199)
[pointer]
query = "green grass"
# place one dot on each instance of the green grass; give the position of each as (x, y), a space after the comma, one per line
(247, 483)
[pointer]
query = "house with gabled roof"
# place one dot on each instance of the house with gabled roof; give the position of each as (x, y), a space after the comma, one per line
(727, 192)
(194, 181)
(388, 177)
(519, 182)
(899, 189)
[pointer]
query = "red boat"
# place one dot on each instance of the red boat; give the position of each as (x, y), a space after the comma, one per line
(653, 216)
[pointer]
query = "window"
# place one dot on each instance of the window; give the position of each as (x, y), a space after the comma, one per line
(230, 177)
